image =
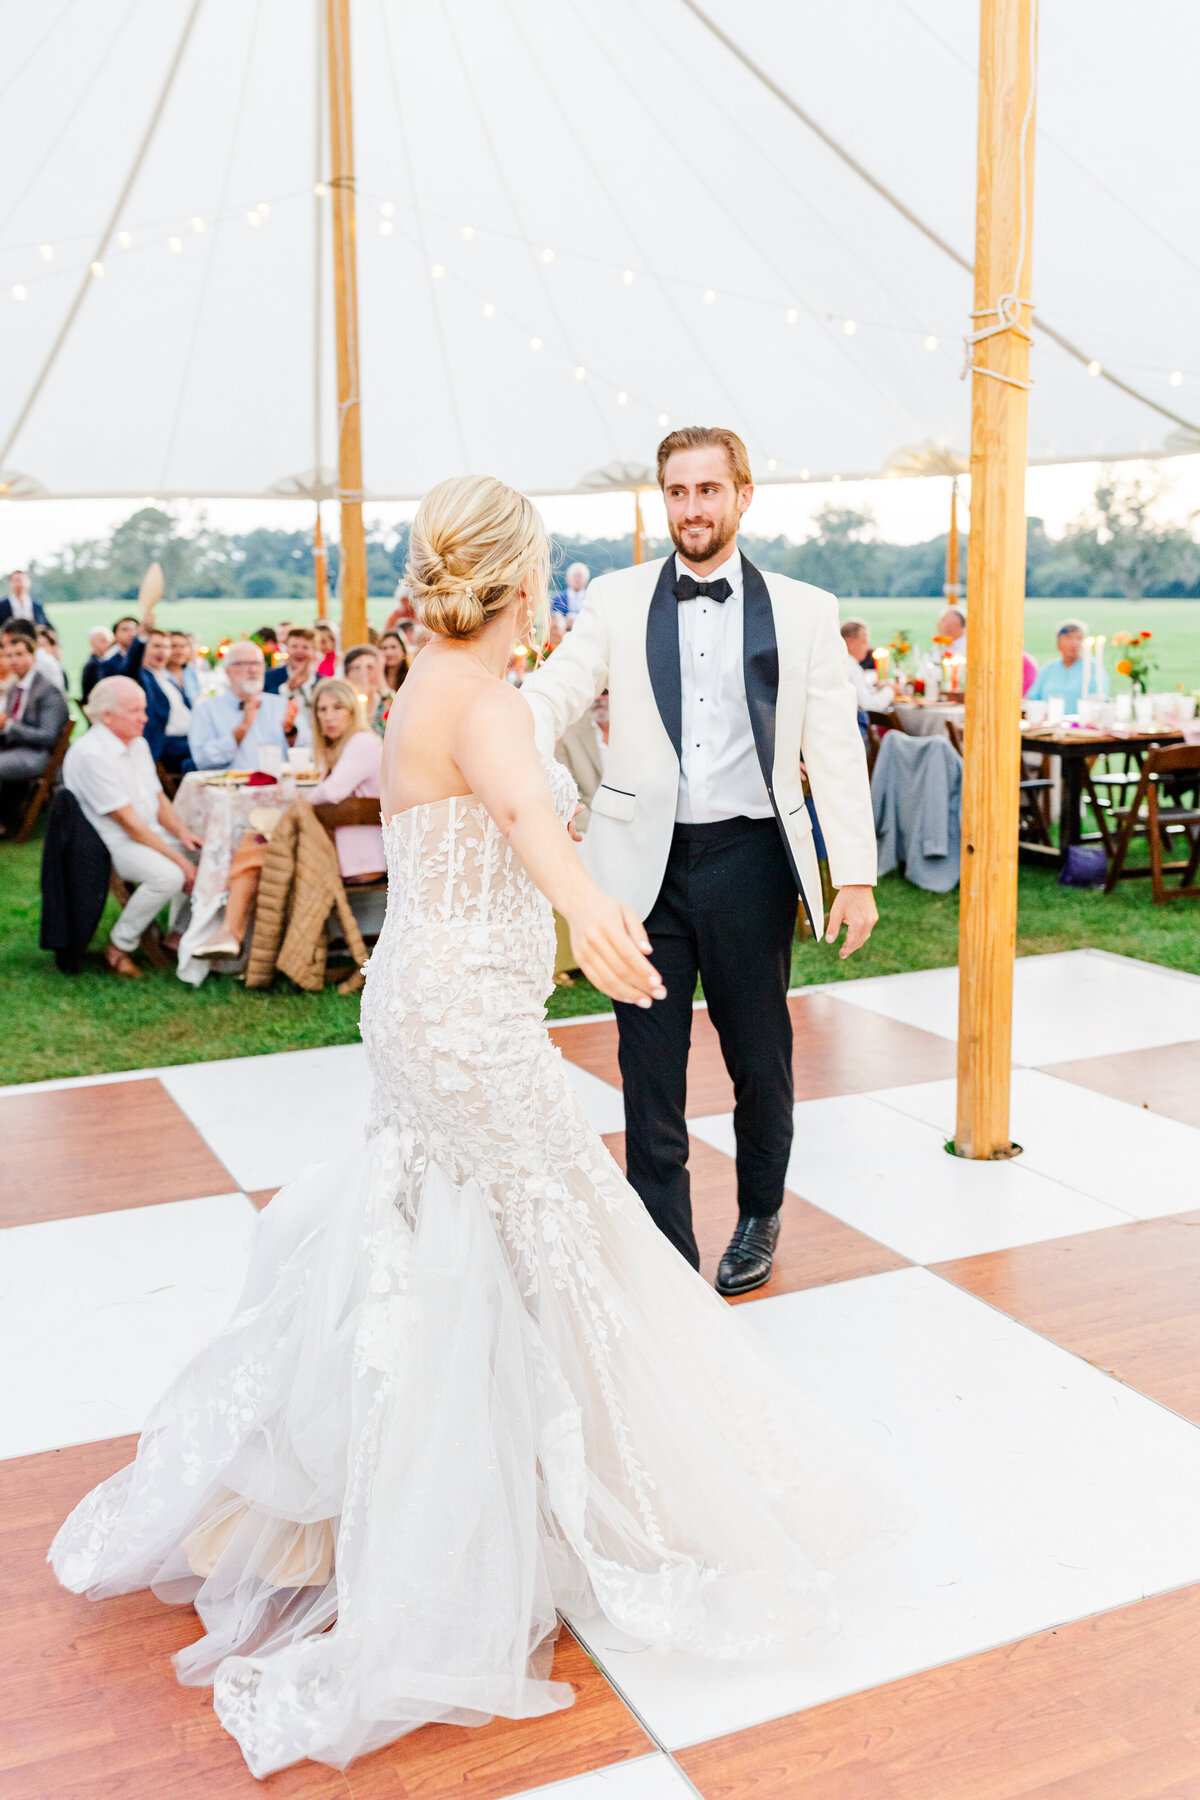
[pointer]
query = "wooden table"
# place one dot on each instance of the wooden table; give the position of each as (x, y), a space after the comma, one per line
(1074, 748)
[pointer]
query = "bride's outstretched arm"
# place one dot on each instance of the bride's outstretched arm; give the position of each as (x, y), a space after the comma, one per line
(496, 752)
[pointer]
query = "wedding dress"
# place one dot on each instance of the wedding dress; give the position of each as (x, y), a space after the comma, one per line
(468, 1385)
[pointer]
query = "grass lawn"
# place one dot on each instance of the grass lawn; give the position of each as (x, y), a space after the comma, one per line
(58, 1025)
(1175, 624)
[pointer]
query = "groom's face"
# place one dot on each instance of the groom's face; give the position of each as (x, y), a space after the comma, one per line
(704, 508)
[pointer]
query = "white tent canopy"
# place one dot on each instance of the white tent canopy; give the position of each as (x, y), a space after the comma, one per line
(575, 223)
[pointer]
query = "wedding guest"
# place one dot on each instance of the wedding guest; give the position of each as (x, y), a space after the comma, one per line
(48, 656)
(297, 677)
(362, 667)
(953, 627)
(569, 600)
(347, 756)
(19, 602)
(101, 644)
(1062, 676)
(181, 665)
(228, 730)
(870, 696)
(395, 660)
(168, 709)
(326, 650)
(7, 678)
(35, 711)
(111, 773)
(124, 632)
(1029, 671)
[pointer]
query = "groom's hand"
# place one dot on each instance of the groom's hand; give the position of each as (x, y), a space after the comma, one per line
(854, 907)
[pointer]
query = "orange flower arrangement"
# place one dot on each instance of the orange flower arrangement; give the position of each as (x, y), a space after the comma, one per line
(1137, 663)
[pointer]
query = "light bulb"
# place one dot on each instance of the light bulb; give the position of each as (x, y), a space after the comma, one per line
(175, 245)
(252, 218)
(97, 268)
(386, 228)
(547, 255)
(772, 465)
(791, 315)
(535, 343)
(387, 208)
(320, 190)
(197, 225)
(931, 343)
(1093, 368)
(468, 232)
(1177, 378)
(46, 252)
(804, 474)
(581, 373)
(835, 478)
(622, 399)
(125, 239)
(664, 420)
(149, 500)
(262, 209)
(437, 271)
(489, 309)
(19, 292)
(849, 327)
(710, 295)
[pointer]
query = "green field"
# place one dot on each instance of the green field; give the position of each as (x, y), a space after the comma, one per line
(1175, 624)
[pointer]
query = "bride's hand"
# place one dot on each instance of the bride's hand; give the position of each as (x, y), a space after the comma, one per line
(610, 945)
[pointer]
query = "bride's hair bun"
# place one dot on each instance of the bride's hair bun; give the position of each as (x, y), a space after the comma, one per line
(473, 542)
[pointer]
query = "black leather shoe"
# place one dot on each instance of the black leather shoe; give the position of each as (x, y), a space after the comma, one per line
(747, 1262)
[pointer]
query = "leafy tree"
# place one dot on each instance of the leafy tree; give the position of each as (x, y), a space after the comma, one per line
(1122, 547)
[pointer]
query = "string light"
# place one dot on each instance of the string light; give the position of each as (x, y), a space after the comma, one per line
(1176, 377)
(835, 478)
(437, 271)
(710, 295)
(387, 208)
(46, 252)
(262, 209)
(97, 269)
(125, 239)
(535, 343)
(664, 420)
(791, 315)
(931, 343)
(581, 373)
(547, 255)
(627, 278)
(386, 228)
(197, 225)
(252, 218)
(175, 245)
(804, 474)
(849, 328)
(489, 309)
(622, 399)
(149, 500)
(468, 232)
(320, 190)
(19, 292)
(772, 465)
(1093, 368)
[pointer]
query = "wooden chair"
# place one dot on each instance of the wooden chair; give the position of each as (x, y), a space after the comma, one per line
(954, 732)
(1033, 816)
(877, 724)
(355, 811)
(45, 785)
(152, 937)
(168, 782)
(1164, 775)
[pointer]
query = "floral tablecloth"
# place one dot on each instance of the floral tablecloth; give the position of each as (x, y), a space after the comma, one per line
(219, 815)
(928, 720)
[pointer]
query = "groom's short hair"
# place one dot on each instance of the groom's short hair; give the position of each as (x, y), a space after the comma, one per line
(707, 437)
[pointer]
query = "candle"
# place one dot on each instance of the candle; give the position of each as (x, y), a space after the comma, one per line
(880, 658)
(1086, 687)
(1099, 666)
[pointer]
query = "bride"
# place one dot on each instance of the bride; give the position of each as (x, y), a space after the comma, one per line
(469, 1385)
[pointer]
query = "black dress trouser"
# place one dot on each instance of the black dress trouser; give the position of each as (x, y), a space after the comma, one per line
(726, 911)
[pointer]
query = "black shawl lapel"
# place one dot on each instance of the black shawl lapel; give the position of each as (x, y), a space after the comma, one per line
(760, 661)
(662, 653)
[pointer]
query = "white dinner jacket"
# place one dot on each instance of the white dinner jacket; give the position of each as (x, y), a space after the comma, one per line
(801, 705)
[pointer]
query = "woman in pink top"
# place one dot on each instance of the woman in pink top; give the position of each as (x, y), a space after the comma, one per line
(347, 754)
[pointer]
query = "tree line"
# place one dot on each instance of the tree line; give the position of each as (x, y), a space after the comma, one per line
(1117, 547)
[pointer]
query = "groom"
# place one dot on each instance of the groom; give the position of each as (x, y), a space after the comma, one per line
(725, 686)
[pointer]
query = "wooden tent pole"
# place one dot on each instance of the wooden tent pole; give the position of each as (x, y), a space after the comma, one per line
(996, 574)
(352, 562)
(953, 587)
(320, 571)
(639, 549)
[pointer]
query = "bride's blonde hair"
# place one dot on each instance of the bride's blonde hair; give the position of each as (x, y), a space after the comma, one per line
(473, 543)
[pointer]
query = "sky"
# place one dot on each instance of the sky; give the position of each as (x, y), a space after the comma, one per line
(905, 511)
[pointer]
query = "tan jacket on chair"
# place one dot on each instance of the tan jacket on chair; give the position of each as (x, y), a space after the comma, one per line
(301, 884)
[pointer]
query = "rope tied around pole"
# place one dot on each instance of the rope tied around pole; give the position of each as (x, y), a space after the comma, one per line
(1007, 313)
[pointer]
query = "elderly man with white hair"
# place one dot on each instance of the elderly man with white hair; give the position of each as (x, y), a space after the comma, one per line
(228, 730)
(111, 773)
(569, 601)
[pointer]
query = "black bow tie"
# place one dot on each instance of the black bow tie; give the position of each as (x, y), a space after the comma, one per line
(687, 589)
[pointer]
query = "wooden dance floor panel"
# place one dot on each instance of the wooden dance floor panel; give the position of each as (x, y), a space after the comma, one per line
(1016, 1344)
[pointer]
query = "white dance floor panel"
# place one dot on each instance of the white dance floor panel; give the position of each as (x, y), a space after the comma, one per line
(648, 1778)
(99, 1313)
(1043, 1491)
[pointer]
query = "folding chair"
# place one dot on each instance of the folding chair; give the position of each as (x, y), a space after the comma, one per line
(152, 937)
(45, 785)
(355, 811)
(1163, 777)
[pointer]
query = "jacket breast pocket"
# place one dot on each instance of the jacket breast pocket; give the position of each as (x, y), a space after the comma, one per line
(613, 803)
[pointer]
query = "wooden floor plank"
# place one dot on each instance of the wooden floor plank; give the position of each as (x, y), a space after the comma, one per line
(90, 1708)
(815, 1249)
(100, 1149)
(1107, 1708)
(838, 1049)
(1163, 1080)
(1123, 1298)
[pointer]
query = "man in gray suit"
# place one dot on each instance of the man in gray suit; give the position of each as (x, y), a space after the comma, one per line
(34, 714)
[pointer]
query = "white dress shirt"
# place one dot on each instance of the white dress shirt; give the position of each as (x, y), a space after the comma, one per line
(870, 696)
(51, 668)
(179, 717)
(720, 775)
(21, 609)
(104, 774)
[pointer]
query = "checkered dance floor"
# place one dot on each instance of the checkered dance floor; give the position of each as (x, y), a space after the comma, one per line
(1020, 1343)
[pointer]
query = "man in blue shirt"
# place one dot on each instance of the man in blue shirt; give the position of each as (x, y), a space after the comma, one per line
(230, 729)
(1063, 676)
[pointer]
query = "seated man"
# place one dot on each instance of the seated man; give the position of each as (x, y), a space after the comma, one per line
(168, 709)
(228, 730)
(101, 644)
(297, 677)
(1062, 676)
(31, 724)
(870, 697)
(111, 773)
(953, 627)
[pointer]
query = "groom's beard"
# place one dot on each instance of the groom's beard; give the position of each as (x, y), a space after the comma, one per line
(699, 548)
